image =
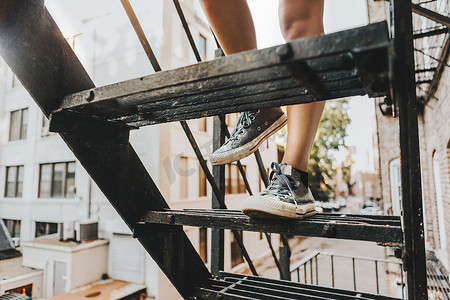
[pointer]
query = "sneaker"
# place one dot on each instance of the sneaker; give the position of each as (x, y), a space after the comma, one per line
(286, 196)
(253, 128)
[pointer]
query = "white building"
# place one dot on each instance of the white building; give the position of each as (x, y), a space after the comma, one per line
(42, 184)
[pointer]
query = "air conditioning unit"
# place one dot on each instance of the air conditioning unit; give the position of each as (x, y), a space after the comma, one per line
(67, 231)
(86, 231)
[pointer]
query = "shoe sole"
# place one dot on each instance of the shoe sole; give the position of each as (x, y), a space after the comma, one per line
(263, 207)
(249, 148)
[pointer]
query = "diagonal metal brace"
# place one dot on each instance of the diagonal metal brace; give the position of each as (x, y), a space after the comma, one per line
(432, 15)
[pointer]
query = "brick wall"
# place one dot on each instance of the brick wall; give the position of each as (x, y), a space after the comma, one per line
(434, 137)
(388, 134)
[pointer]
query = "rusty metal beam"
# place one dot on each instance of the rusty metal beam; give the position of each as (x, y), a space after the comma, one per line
(432, 15)
(434, 84)
(405, 95)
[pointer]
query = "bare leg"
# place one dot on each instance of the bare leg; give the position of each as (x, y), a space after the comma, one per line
(232, 23)
(300, 18)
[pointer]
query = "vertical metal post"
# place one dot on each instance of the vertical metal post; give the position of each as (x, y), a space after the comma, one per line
(401, 276)
(298, 274)
(317, 271)
(404, 92)
(354, 273)
(217, 235)
(311, 270)
(304, 269)
(285, 256)
(376, 276)
(332, 270)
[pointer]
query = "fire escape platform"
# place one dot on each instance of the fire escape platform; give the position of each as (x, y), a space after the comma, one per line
(380, 229)
(237, 286)
(347, 63)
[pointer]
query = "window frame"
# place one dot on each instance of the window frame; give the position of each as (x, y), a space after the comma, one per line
(202, 182)
(236, 255)
(232, 174)
(64, 187)
(15, 226)
(202, 38)
(47, 228)
(184, 180)
(22, 134)
(203, 124)
(203, 244)
(16, 181)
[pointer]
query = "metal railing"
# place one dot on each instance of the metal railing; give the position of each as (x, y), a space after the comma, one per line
(307, 269)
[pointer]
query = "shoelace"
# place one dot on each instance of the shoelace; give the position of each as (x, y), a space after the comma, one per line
(244, 121)
(281, 184)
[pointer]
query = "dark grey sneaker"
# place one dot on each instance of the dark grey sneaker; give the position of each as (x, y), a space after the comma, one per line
(253, 128)
(286, 196)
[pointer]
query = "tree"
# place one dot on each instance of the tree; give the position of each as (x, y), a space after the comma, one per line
(330, 136)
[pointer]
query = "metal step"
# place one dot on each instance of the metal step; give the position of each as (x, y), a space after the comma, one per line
(346, 63)
(236, 286)
(381, 229)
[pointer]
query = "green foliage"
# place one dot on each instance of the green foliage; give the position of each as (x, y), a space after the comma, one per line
(330, 136)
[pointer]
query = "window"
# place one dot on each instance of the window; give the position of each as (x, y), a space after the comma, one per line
(202, 124)
(231, 119)
(236, 253)
(234, 183)
(261, 185)
(202, 46)
(44, 228)
(203, 244)
(396, 186)
(18, 125)
(14, 181)
(57, 180)
(202, 186)
(183, 177)
(439, 201)
(13, 227)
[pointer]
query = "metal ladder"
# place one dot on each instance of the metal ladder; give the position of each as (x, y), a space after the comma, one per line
(95, 123)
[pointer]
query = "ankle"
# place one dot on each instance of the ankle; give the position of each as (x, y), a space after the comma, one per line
(303, 176)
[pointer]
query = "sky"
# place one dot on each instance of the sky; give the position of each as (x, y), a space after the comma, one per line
(338, 15)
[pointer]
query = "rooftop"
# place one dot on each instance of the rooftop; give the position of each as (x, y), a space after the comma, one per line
(105, 289)
(53, 243)
(11, 268)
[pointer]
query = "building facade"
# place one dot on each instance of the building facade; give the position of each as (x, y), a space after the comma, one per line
(42, 184)
(433, 90)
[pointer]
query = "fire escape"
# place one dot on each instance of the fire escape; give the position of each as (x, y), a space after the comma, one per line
(95, 123)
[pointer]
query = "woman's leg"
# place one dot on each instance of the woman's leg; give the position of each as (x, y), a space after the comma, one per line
(232, 23)
(300, 18)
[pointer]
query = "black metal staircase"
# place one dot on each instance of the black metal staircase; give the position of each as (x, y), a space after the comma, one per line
(95, 123)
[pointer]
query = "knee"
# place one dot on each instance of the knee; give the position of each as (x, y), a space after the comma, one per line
(294, 28)
(295, 23)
